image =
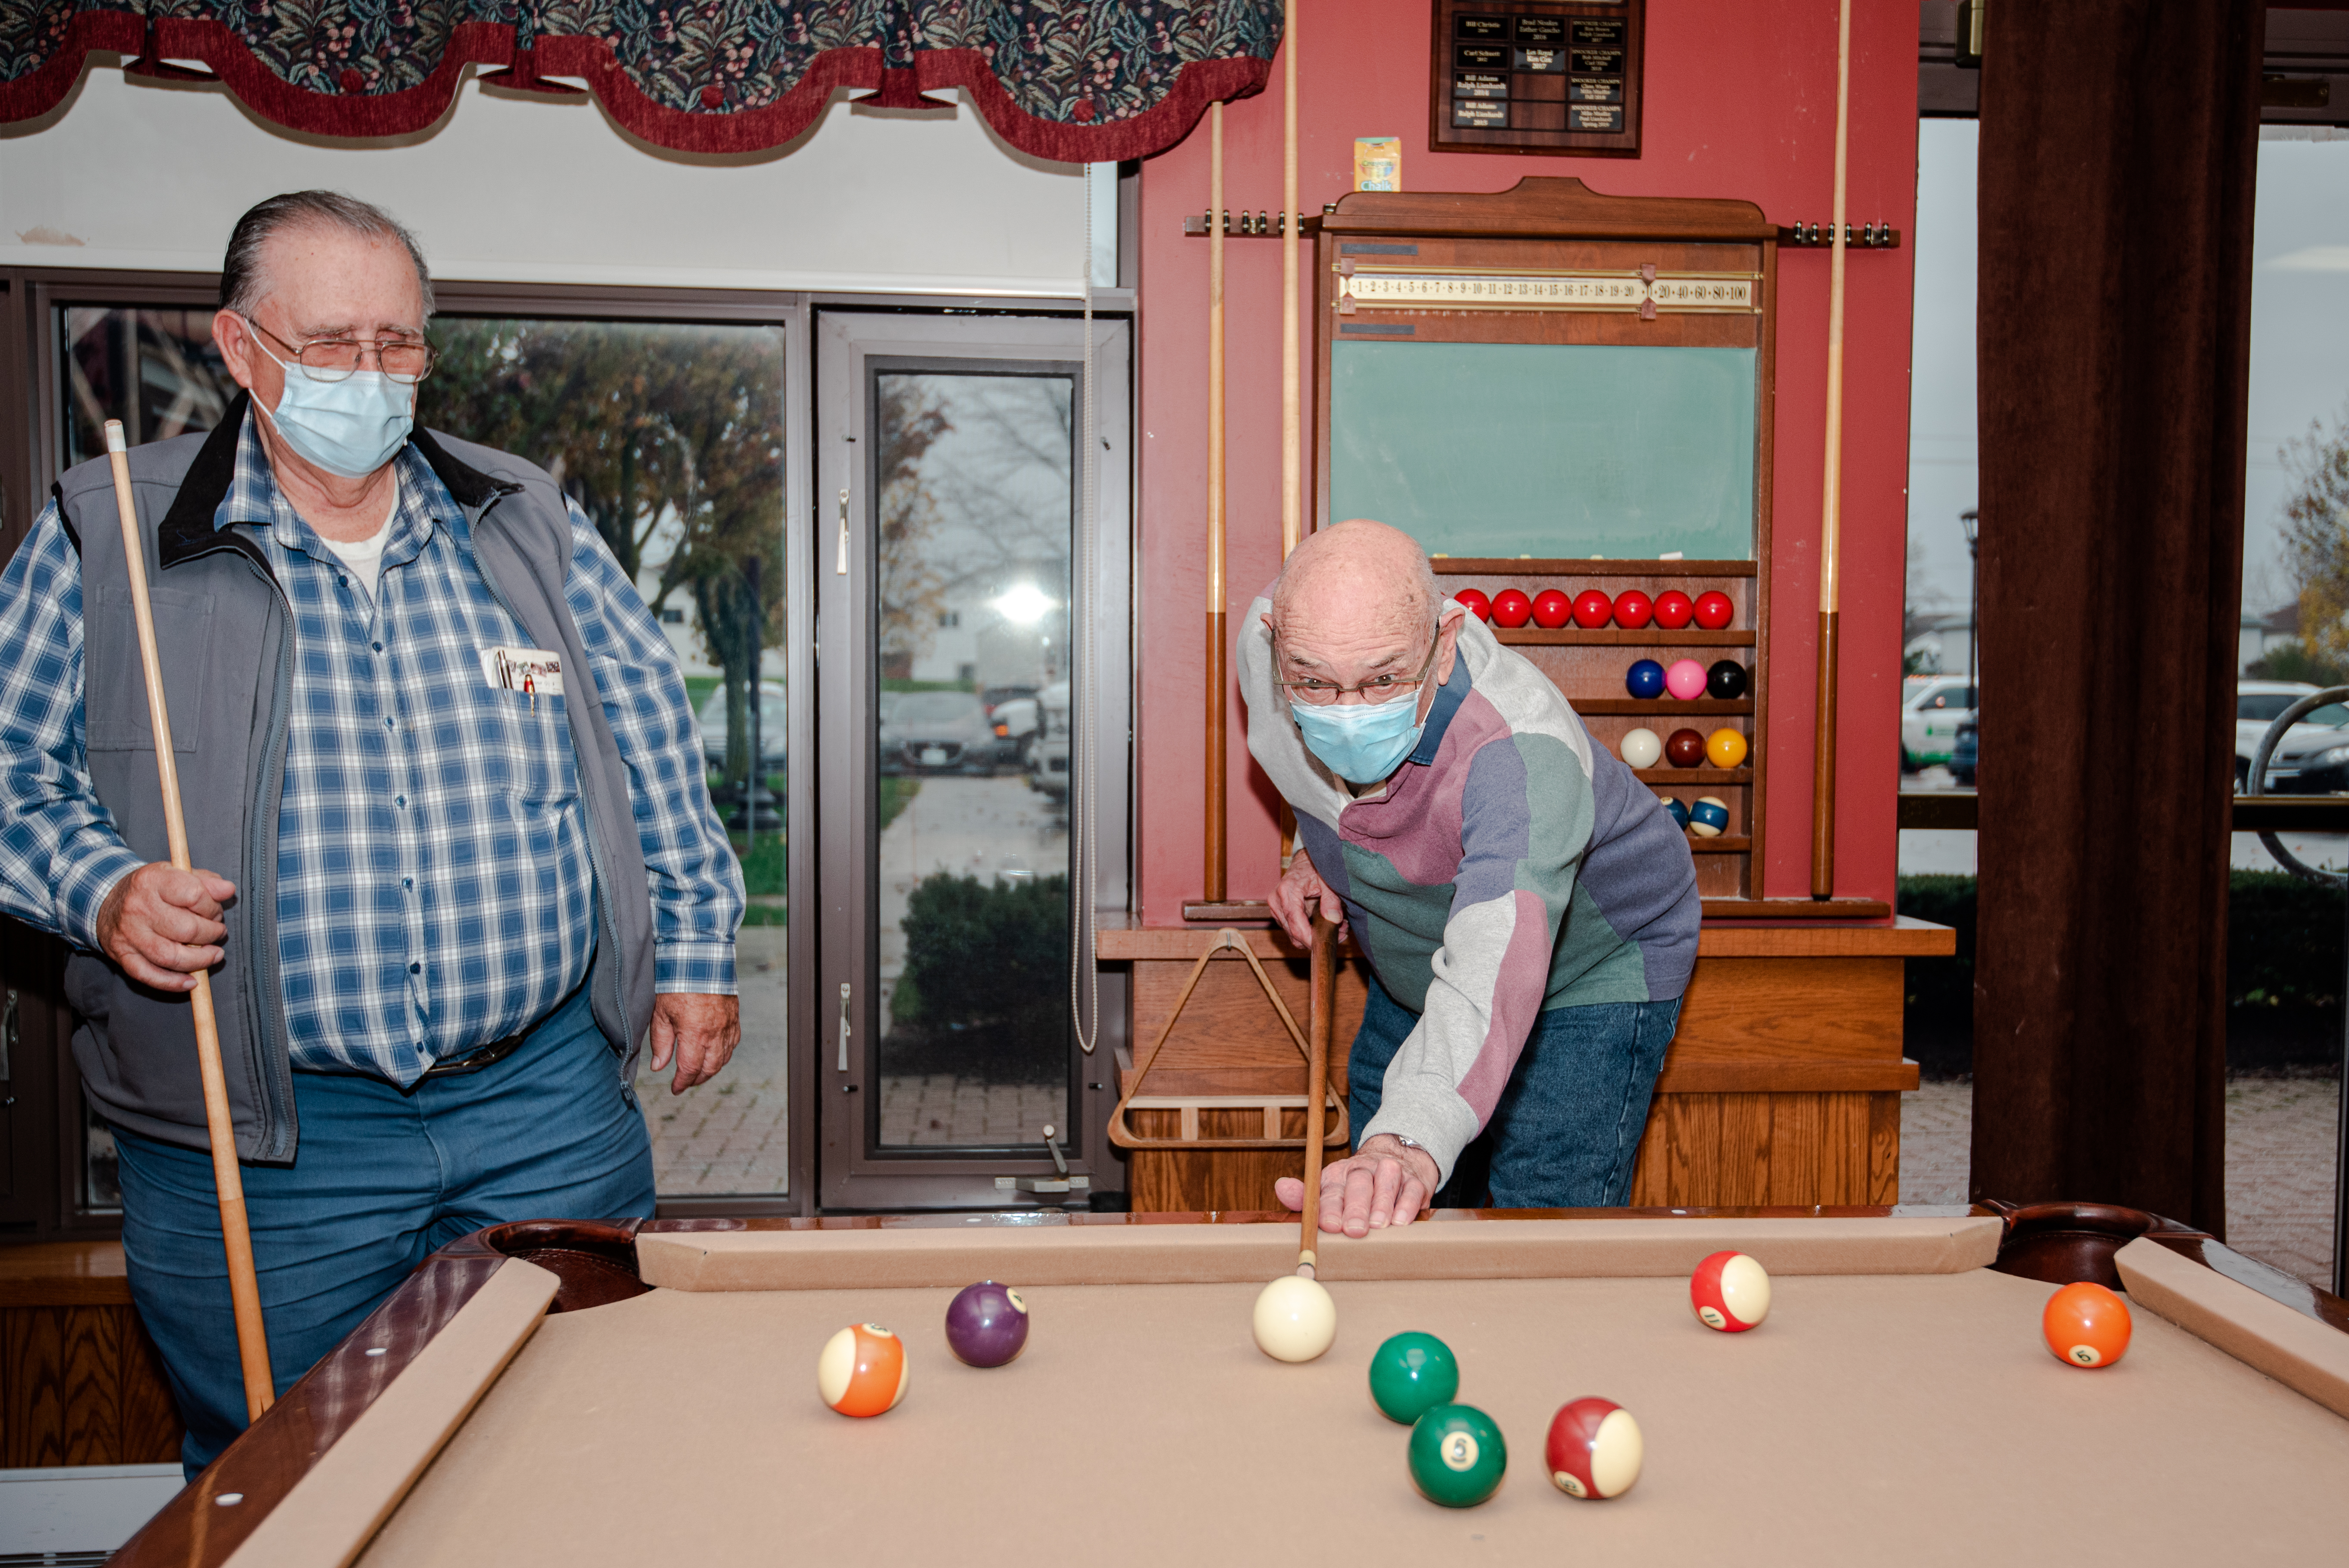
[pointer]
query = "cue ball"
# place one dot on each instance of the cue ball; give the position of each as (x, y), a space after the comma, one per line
(1594, 1450)
(1295, 1319)
(2086, 1325)
(1714, 611)
(1685, 680)
(1673, 609)
(1592, 609)
(1645, 680)
(862, 1370)
(1641, 748)
(1411, 1373)
(1677, 808)
(1730, 1292)
(1708, 817)
(1685, 748)
(1511, 608)
(1552, 610)
(1457, 1455)
(1633, 609)
(1725, 748)
(986, 1324)
(1478, 605)
(1726, 680)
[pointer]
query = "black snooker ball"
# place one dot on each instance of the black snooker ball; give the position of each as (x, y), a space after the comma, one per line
(1725, 680)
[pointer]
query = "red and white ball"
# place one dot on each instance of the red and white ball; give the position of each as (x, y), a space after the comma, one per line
(1730, 1292)
(1594, 1450)
(862, 1370)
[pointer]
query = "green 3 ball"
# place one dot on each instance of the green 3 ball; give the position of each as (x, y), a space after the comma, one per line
(1411, 1373)
(1457, 1457)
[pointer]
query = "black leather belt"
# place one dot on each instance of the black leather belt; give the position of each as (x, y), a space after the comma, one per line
(474, 1061)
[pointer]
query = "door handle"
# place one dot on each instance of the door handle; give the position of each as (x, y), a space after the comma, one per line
(8, 1036)
(840, 561)
(844, 1024)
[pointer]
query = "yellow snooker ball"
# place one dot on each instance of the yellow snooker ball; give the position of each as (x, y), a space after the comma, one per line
(1725, 748)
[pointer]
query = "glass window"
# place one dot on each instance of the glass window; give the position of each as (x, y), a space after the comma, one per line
(669, 437)
(971, 730)
(155, 370)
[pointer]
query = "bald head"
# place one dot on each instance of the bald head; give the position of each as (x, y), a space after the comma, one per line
(1358, 600)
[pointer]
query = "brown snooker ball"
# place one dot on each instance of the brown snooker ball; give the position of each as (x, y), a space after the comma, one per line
(1685, 748)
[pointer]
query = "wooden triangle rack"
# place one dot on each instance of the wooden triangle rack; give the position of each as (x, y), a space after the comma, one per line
(1190, 1136)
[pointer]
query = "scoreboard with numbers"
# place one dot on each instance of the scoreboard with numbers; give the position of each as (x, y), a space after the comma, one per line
(1516, 76)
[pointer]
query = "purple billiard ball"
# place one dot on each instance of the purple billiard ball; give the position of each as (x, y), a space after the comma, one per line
(986, 1324)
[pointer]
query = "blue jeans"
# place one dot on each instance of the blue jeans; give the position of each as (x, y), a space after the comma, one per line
(1566, 1129)
(381, 1179)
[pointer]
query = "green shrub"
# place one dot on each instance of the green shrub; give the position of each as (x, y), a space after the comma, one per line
(984, 952)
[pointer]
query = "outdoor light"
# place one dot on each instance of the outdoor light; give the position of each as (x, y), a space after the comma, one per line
(1024, 604)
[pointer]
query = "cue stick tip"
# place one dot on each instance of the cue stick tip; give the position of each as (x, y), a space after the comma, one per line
(114, 442)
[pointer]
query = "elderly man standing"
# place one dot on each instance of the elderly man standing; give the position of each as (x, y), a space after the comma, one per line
(437, 757)
(1528, 908)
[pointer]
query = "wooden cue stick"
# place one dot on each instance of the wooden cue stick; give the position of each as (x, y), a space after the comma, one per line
(1823, 763)
(236, 1238)
(1319, 1025)
(1218, 856)
(1292, 428)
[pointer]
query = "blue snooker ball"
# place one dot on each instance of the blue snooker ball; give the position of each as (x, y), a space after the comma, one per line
(1645, 680)
(1678, 809)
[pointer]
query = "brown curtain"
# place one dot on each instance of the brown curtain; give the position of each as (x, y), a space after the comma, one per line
(2119, 142)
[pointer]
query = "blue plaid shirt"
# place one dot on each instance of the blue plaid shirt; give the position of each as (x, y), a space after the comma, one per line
(435, 890)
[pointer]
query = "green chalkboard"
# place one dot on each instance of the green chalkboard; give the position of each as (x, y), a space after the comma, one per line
(1557, 450)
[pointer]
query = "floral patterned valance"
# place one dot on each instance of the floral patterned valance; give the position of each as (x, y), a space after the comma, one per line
(1081, 81)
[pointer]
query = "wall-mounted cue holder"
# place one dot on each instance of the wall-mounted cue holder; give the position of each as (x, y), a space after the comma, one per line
(1821, 237)
(1247, 226)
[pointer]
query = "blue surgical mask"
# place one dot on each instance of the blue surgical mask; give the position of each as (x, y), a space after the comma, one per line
(1364, 741)
(350, 427)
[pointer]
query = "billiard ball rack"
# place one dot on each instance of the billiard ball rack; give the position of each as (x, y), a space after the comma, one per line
(1587, 665)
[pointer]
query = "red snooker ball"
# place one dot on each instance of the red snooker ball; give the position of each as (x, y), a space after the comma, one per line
(1673, 609)
(1592, 609)
(1685, 748)
(1633, 609)
(1478, 605)
(1714, 611)
(2086, 1325)
(1594, 1450)
(1511, 608)
(1730, 1292)
(1551, 609)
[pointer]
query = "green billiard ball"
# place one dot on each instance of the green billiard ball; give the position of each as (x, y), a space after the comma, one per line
(1457, 1455)
(1409, 1373)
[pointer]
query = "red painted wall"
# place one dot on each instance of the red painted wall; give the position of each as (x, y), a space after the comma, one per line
(1741, 103)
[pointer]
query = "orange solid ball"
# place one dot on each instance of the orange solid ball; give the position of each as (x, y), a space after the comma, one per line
(2086, 1325)
(1725, 748)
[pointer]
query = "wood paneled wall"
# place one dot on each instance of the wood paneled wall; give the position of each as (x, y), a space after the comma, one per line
(80, 1382)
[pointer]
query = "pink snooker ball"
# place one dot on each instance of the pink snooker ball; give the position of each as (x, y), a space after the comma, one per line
(1685, 680)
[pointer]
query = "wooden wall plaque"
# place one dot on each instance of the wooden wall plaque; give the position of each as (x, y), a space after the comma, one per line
(1521, 75)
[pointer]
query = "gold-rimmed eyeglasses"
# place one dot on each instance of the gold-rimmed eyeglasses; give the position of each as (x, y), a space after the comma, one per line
(407, 360)
(1318, 693)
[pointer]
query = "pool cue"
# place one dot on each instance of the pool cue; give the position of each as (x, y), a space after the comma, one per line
(1218, 856)
(1823, 763)
(1292, 455)
(1319, 1025)
(236, 1238)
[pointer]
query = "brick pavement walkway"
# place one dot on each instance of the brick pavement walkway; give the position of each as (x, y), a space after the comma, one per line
(2281, 1134)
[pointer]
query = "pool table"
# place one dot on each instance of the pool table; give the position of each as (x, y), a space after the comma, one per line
(591, 1394)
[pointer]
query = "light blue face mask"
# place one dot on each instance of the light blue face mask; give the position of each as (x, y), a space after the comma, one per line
(1361, 742)
(350, 427)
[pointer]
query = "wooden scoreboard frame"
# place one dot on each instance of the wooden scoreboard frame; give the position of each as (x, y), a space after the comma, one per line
(1551, 261)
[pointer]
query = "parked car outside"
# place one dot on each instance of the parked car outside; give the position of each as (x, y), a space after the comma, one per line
(1048, 757)
(1931, 713)
(774, 724)
(2313, 757)
(1965, 752)
(1014, 720)
(938, 732)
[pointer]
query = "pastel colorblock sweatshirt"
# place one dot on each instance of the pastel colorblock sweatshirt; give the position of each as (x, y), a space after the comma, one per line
(1511, 866)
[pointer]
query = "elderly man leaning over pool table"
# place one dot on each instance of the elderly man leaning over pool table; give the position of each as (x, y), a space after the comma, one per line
(1527, 907)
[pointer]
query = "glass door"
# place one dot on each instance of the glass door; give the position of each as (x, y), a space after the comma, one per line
(953, 705)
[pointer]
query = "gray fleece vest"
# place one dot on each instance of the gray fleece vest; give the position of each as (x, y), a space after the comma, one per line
(225, 634)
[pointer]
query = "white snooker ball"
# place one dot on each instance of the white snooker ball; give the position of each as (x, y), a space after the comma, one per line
(1295, 1319)
(1642, 748)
